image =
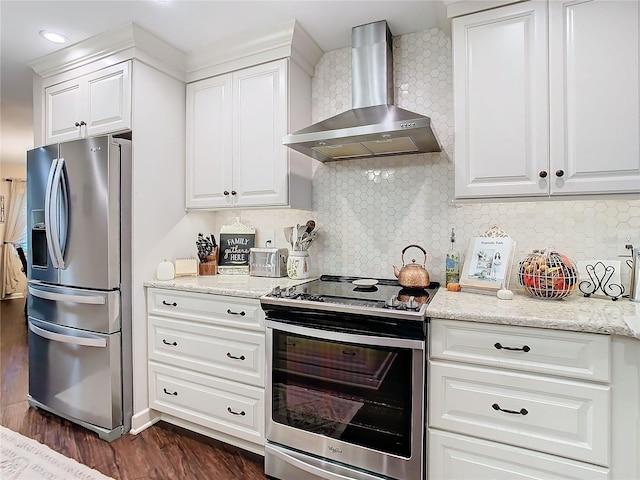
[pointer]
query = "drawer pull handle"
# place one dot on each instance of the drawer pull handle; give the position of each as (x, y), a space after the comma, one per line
(174, 304)
(230, 312)
(353, 354)
(236, 413)
(173, 344)
(290, 344)
(522, 411)
(241, 357)
(170, 393)
(526, 348)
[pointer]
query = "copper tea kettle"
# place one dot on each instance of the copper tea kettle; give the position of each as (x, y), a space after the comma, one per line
(413, 275)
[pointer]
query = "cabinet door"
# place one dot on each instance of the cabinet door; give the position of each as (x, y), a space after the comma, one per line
(594, 116)
(260, 163)
(63, 109)
(93, 104)
(501, 98)
(209, 144)
(108, 107)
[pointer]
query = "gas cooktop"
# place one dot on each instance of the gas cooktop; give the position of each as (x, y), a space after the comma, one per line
(355, 295)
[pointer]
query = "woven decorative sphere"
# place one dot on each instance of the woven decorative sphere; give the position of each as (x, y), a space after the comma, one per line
(547, 274)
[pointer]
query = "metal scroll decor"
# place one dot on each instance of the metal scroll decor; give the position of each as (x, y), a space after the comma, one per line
(600, 279)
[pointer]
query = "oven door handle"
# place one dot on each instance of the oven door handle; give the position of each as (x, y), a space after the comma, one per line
(316, 471)
(346, 337)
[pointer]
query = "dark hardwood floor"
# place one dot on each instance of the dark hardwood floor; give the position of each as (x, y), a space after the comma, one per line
(160, 452)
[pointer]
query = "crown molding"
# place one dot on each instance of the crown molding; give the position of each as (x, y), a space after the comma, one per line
(122, 43)
(285, 40)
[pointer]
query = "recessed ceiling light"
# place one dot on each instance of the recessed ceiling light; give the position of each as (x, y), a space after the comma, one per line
(53, 36)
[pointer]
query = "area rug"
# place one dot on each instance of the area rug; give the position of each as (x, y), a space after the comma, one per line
(22, 458)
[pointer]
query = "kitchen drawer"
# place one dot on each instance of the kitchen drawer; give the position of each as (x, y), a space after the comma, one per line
(237, 355)
(456, 457)
(569, 354)
(553, 415)
(201, 307)
(224, 406)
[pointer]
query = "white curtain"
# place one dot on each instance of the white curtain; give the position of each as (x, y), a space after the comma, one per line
(15, 232)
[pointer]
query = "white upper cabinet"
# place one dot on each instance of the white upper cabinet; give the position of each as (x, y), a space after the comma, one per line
(92, 104)
(209, 142)
(546, 99)
(501, 102)
(235, 157)
(594, 104)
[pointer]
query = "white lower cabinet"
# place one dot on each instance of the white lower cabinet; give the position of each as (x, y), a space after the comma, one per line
(513, 402)
(462, 457)
(557, 416)
(221, 405)
(206, 364)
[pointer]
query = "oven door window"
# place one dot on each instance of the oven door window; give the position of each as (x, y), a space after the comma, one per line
(358, 394)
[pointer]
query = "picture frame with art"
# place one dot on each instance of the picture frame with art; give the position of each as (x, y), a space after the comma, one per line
(488, 262)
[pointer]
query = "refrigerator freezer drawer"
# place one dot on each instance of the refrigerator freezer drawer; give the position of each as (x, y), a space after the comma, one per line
(74, 307)
(76, 374)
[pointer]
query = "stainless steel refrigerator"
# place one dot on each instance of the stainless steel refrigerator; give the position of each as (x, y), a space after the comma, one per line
(79, 288)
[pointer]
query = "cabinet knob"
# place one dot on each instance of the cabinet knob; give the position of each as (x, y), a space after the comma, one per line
(542, 174)
(559, 173)
(233, 192)
(82, 122)
(226, 193)
(77, 124)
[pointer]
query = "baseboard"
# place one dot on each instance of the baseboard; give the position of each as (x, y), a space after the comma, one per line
(143, 420)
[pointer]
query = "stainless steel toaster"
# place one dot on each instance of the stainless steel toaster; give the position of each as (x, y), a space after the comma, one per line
(268, 262)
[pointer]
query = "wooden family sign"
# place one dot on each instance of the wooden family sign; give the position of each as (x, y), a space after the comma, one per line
(234, 248)
(236, 241)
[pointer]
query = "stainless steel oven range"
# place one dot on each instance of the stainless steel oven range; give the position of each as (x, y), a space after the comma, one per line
(346, 380)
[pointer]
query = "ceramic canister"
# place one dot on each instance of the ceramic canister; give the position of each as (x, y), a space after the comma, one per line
(298, 264)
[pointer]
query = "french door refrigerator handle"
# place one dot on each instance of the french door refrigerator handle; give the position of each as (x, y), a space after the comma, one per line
(58, 337)
(64, 297)
(48, 213)
(56, 189)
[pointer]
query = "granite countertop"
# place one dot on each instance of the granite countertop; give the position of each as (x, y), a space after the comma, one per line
(232, 285)
(576, 313)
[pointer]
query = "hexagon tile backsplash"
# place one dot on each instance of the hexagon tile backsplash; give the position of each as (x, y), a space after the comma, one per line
(368, 210)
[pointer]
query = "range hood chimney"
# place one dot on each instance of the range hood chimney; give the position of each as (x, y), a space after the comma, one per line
(374, 127)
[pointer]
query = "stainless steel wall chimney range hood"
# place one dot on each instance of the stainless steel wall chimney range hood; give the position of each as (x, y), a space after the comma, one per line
(374, 127)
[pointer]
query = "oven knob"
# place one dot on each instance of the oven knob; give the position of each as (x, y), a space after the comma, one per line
(290, 292)
(393, 302)
(412, 304)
